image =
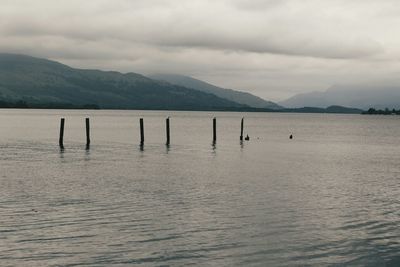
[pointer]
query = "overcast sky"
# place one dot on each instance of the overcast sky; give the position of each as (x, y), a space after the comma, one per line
(272, 48)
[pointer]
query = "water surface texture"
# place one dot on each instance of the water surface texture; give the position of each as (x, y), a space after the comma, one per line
(330, 196)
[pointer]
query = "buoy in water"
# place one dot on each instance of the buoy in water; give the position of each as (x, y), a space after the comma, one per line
(247, 138)
(291, 136)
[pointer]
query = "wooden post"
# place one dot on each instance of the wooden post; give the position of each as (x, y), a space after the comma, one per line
(241, 130)
(141, 132)
(87, 132)
(214, 130)
(168, 135)
(61, 140)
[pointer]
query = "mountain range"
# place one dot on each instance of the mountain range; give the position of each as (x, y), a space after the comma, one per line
(379, 95)
(37, 80)
(232, 95)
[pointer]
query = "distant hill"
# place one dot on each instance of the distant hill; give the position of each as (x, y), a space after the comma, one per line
(232, 95)
(330, 109)
(36, 80)
(374, 95)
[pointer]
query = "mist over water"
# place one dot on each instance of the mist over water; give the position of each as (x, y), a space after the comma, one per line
(330, 196)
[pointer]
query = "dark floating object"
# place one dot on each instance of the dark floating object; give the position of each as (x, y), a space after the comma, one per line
(291, 136)
(247, 138)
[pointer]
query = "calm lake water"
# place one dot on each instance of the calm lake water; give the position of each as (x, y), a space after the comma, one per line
(330, 196)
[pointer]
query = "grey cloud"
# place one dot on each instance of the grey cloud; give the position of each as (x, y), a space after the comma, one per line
(270, 47)
(258, 5)
(176, 27)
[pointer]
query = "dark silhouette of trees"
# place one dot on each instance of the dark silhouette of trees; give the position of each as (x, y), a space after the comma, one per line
(386, 111)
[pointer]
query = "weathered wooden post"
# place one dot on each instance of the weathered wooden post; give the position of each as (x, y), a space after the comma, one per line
(168, 135)
(214, 130)
(241, 130)
(141, 132)
(61, 140)
(87, 132)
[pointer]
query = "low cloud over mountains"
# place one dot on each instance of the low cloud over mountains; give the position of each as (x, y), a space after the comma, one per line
(271, 48)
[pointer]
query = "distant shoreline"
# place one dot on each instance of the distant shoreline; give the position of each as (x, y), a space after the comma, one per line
(330, 110)
(21, 104)
(385, 112)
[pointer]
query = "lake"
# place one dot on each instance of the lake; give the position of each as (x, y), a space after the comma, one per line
(330, 196)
